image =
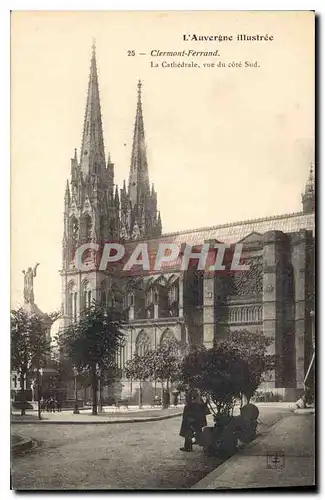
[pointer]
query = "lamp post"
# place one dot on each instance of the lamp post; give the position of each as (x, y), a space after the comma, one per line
(76, 407)
(39, 384)
(312, 314)
(308, 389)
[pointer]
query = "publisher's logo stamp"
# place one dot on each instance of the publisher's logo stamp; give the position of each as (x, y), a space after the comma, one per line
(275, 460)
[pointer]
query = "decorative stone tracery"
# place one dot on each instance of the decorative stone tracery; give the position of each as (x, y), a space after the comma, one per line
(246, 314)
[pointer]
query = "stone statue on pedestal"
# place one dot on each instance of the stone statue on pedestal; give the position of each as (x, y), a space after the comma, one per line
(29, 276)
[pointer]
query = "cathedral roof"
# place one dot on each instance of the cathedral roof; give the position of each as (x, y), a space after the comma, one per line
(226, 233)
(236, 231)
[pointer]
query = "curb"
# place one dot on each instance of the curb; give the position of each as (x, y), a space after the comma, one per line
(92, 422)
(25, 444)
(304, 411)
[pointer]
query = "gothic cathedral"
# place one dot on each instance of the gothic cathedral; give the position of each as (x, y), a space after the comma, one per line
(275, 296)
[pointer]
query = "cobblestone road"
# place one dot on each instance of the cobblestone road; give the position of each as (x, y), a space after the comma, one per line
(116, 456)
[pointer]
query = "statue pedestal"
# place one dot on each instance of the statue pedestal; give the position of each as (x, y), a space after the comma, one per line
(34, 309)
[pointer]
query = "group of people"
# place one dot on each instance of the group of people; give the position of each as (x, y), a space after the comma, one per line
(194, 419)
(51, 404)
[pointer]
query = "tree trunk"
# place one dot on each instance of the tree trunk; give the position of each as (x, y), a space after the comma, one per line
(94, 385)
(22, 389)
(162, 395)
(100, 393)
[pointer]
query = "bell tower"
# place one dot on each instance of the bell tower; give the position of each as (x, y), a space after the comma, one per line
(139, 216)
(91, 209)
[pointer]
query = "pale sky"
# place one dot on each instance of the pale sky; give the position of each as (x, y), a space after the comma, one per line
(224, 144)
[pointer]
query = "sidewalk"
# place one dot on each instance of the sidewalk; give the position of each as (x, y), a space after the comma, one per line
(285, 457)
(110, 415)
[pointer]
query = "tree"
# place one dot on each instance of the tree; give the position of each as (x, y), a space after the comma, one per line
(216, 373)
(139, 368)
(29, 343)
(164, 362)
(92, 342)
(252, 348)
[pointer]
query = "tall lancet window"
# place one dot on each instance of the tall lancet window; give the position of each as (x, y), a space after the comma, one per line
(86, 295)
(74, 231)
(103, 293)
(75, 315)
(88, 225)
(142, 344)
(72, 306)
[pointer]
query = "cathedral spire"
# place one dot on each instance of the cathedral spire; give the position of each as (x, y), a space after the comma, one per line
(138, 177)
(67, 194)
(92, 158)
(308, 197)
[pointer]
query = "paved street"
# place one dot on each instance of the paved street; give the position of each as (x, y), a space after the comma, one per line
(116, 456)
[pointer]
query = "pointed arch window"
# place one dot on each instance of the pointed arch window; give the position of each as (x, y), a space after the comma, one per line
(167, 337)
(88, 227)
(86, 295)
(103, 292)
(72, 302)
(149, 297)
(143, 343)
(260, 314)
(120, 357)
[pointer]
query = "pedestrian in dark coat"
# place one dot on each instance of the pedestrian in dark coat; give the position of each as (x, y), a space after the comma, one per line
(194, 419)
(175, 398)
(166, 398)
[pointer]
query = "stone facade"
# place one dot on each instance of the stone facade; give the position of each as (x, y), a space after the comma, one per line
(274, 296)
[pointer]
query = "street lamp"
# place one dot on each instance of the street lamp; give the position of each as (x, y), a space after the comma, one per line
(312, 314)
(76, 408)
(39, 384)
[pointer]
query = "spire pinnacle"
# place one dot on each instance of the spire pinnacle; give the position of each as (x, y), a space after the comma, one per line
(116, 194)
(308, 198)
(67, 193)
(92, 158)
(139, 90)
(138, 176)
